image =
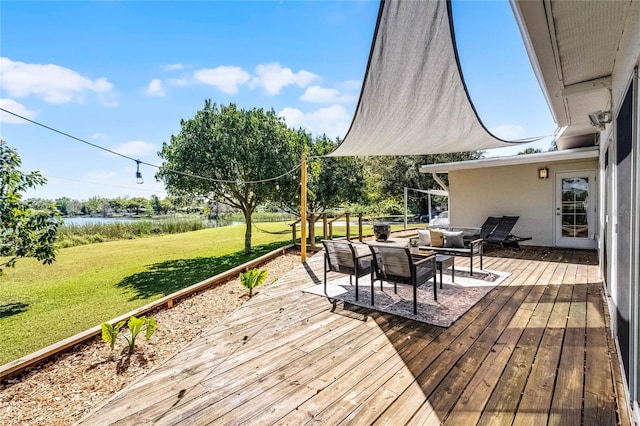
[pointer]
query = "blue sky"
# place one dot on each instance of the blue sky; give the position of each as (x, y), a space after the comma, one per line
(122, 74)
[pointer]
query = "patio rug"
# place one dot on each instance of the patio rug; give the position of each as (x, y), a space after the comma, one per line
(454, 299)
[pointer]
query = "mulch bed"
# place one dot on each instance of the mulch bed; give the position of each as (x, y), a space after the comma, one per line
(65, 388)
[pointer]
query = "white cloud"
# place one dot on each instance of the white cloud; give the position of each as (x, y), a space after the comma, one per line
(155, 88)
(319, 94)
(273, 77)
(178, 81)
(225, 78)
(173, 67)
(135, 148)
(333, 121)
(18, 108)
(98, 136)
(53, 83)
(508, 132)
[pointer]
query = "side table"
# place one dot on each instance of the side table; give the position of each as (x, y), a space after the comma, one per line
(443, 262)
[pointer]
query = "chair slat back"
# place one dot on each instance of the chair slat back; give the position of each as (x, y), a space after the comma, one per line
(393, 263)
(488, 226)
(340, 255)
(503, 229)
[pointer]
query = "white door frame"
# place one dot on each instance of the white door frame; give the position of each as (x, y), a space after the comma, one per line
(591, 241)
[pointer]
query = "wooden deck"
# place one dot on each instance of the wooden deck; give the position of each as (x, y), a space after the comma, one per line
(535, 350)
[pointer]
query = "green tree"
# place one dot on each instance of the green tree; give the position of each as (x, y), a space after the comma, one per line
(156, 205)
(331, 181)
(387, 176)
(25, 231)
(137, 204)
(63, 204)
(97, 206)
(530, 151)
(231, 147)
(117, 204)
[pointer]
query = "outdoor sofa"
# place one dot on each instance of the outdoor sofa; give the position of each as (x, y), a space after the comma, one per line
(452, 243)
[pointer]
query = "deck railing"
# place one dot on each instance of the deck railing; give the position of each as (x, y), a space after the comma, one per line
(327, 227)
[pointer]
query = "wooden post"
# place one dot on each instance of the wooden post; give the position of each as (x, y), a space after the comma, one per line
(293, 231)
(312, 230)
(331, 230)
(324, 226)
(346, 215)
(303, 209)
(360, 227)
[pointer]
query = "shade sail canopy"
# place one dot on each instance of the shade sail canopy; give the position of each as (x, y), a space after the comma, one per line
(413, 100)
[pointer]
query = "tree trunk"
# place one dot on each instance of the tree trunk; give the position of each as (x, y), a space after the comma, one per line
(247, 232)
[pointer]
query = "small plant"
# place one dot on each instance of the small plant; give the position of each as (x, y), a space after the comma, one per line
(110, 333)
(252, 279)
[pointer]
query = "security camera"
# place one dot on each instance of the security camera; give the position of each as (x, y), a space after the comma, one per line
(600, 118)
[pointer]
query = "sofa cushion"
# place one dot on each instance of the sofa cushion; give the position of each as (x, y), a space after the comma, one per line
(437, 237)
(424, 237)
(453, 239)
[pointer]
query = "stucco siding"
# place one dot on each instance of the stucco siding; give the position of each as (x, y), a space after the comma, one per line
(509, 191)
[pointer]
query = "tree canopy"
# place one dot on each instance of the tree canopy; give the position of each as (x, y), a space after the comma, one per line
(388, 176)
(229, 154)
(25, 230)
(331, 181)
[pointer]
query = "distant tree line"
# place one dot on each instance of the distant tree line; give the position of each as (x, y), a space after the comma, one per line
(123, 206)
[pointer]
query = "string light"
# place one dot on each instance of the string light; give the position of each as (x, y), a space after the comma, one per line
(139, 179)
(138, 162)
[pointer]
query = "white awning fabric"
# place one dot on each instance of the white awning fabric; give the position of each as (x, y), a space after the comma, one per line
(413, 100)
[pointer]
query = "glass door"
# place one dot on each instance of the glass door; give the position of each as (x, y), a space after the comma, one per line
(576, 203)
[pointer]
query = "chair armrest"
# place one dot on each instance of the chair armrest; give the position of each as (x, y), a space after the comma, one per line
(431, 258)
(474, 242)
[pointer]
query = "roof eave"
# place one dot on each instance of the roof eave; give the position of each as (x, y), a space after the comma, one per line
(543, 157)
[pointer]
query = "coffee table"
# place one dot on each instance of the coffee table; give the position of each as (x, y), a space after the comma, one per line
(443, 262)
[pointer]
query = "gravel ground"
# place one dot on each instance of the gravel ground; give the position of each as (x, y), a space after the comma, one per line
(66, 388)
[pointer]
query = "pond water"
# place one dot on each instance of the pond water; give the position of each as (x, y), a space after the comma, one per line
(92, 220)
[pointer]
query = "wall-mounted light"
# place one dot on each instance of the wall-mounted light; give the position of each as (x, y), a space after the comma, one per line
(139, 179)
(600, 118)
(543, 173)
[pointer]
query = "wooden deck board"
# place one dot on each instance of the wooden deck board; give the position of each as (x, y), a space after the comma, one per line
(437, 375)
(523, 331)
(536, 349)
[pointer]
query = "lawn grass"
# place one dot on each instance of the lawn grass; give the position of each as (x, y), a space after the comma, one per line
(43, 304)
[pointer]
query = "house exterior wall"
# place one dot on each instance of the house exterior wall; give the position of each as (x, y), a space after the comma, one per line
(510, 191)
(620, 264)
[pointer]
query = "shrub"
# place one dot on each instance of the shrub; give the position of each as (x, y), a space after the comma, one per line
(252, 279)
(111, 332)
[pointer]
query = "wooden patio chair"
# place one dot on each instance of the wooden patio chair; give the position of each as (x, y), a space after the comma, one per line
(396, 264)
(347, 258)
(502, 235)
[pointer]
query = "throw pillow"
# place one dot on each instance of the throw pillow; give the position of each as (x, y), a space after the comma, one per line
(437, 237)
(453, 239)
(424, 238)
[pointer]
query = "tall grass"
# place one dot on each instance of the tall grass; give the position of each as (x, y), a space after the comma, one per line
(87, 233)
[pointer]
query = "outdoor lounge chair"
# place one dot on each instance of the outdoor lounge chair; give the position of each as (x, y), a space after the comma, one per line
(347, 258)
(502, 236)
(396, 264)
(487, 228)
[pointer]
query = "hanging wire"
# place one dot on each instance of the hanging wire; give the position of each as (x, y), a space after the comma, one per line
(138, 162)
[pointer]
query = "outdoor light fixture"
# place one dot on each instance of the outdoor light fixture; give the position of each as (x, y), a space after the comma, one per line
(543, 173)
(600, 118)
(139, 179)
